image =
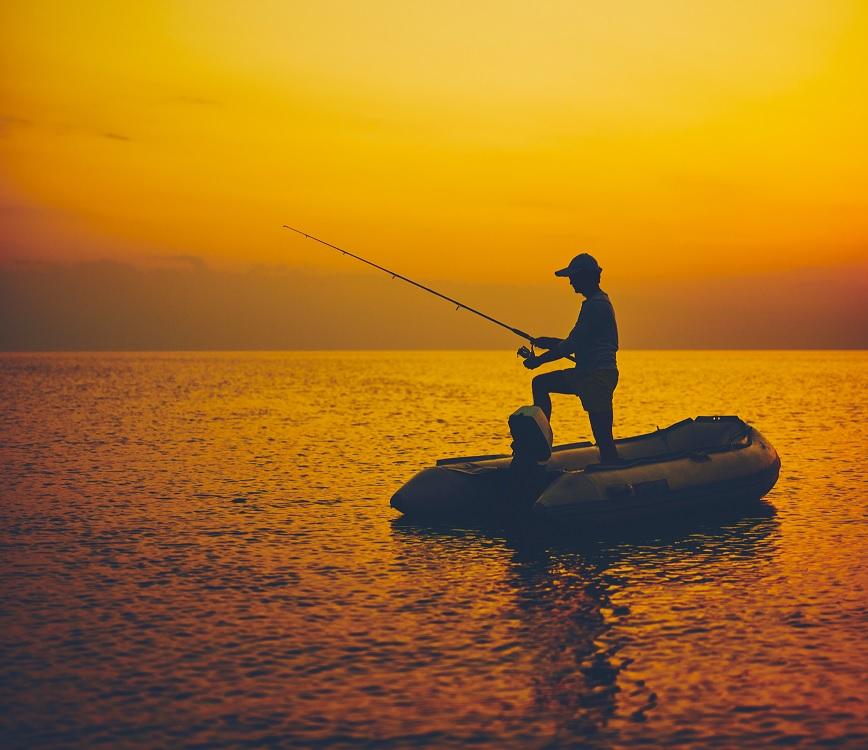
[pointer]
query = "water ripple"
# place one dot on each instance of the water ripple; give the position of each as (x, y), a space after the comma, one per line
(198, 551)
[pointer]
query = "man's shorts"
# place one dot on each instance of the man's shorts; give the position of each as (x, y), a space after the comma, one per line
(594, 388)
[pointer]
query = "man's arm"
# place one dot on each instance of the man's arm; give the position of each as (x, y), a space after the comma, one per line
(558, 348)
(546, 342)
(533, 362)
(577, 338)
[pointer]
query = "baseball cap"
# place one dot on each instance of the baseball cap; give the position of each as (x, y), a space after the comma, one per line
(581, 263)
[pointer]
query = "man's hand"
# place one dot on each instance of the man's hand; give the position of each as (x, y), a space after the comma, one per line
(532, 362)
(546, 342)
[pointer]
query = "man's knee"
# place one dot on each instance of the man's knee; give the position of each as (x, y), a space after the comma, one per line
(539, 384)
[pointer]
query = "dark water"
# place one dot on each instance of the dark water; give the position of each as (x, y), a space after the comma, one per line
(144, 605)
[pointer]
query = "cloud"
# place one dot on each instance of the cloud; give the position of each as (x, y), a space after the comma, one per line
(7, 122)
(193, 261)
(106, 305)
(17, 208)
(14, 120)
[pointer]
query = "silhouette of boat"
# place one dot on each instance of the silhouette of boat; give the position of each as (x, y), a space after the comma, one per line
(695, 464)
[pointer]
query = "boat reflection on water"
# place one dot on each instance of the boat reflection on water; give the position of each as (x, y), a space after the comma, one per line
(580, 610)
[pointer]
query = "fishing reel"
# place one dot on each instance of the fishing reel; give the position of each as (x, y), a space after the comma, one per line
(524, 352)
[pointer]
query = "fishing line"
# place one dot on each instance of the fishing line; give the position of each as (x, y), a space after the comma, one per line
(395, 275)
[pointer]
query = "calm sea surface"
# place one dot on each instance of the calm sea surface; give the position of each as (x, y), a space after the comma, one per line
(144, 605)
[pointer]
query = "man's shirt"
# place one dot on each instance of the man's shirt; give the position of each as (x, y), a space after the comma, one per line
(594, 338)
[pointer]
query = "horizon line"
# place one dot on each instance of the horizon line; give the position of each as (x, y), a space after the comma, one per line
(408, 350)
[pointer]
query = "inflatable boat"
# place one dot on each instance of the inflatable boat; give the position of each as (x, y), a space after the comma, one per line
(693, 465)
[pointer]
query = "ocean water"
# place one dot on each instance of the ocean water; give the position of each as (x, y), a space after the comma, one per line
(196, 550)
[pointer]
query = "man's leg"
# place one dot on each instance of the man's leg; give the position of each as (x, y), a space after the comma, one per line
(601, 426)
(546, 384)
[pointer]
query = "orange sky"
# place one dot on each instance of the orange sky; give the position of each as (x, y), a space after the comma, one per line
(472, 141)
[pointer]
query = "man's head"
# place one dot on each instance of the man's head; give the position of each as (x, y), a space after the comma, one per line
(583, 273)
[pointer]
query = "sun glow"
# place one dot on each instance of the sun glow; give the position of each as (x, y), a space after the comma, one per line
(477, 141)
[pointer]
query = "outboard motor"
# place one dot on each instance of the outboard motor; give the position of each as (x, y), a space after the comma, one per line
(531, 435)
(531, 449)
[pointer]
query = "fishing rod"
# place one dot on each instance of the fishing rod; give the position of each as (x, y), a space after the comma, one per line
(396, 275)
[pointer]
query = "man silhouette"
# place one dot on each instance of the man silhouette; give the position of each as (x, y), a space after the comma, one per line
(594, 342)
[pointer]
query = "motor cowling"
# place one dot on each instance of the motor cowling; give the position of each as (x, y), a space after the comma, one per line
(531, 434)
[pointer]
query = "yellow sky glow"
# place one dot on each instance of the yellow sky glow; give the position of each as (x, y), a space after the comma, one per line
(476, 141)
